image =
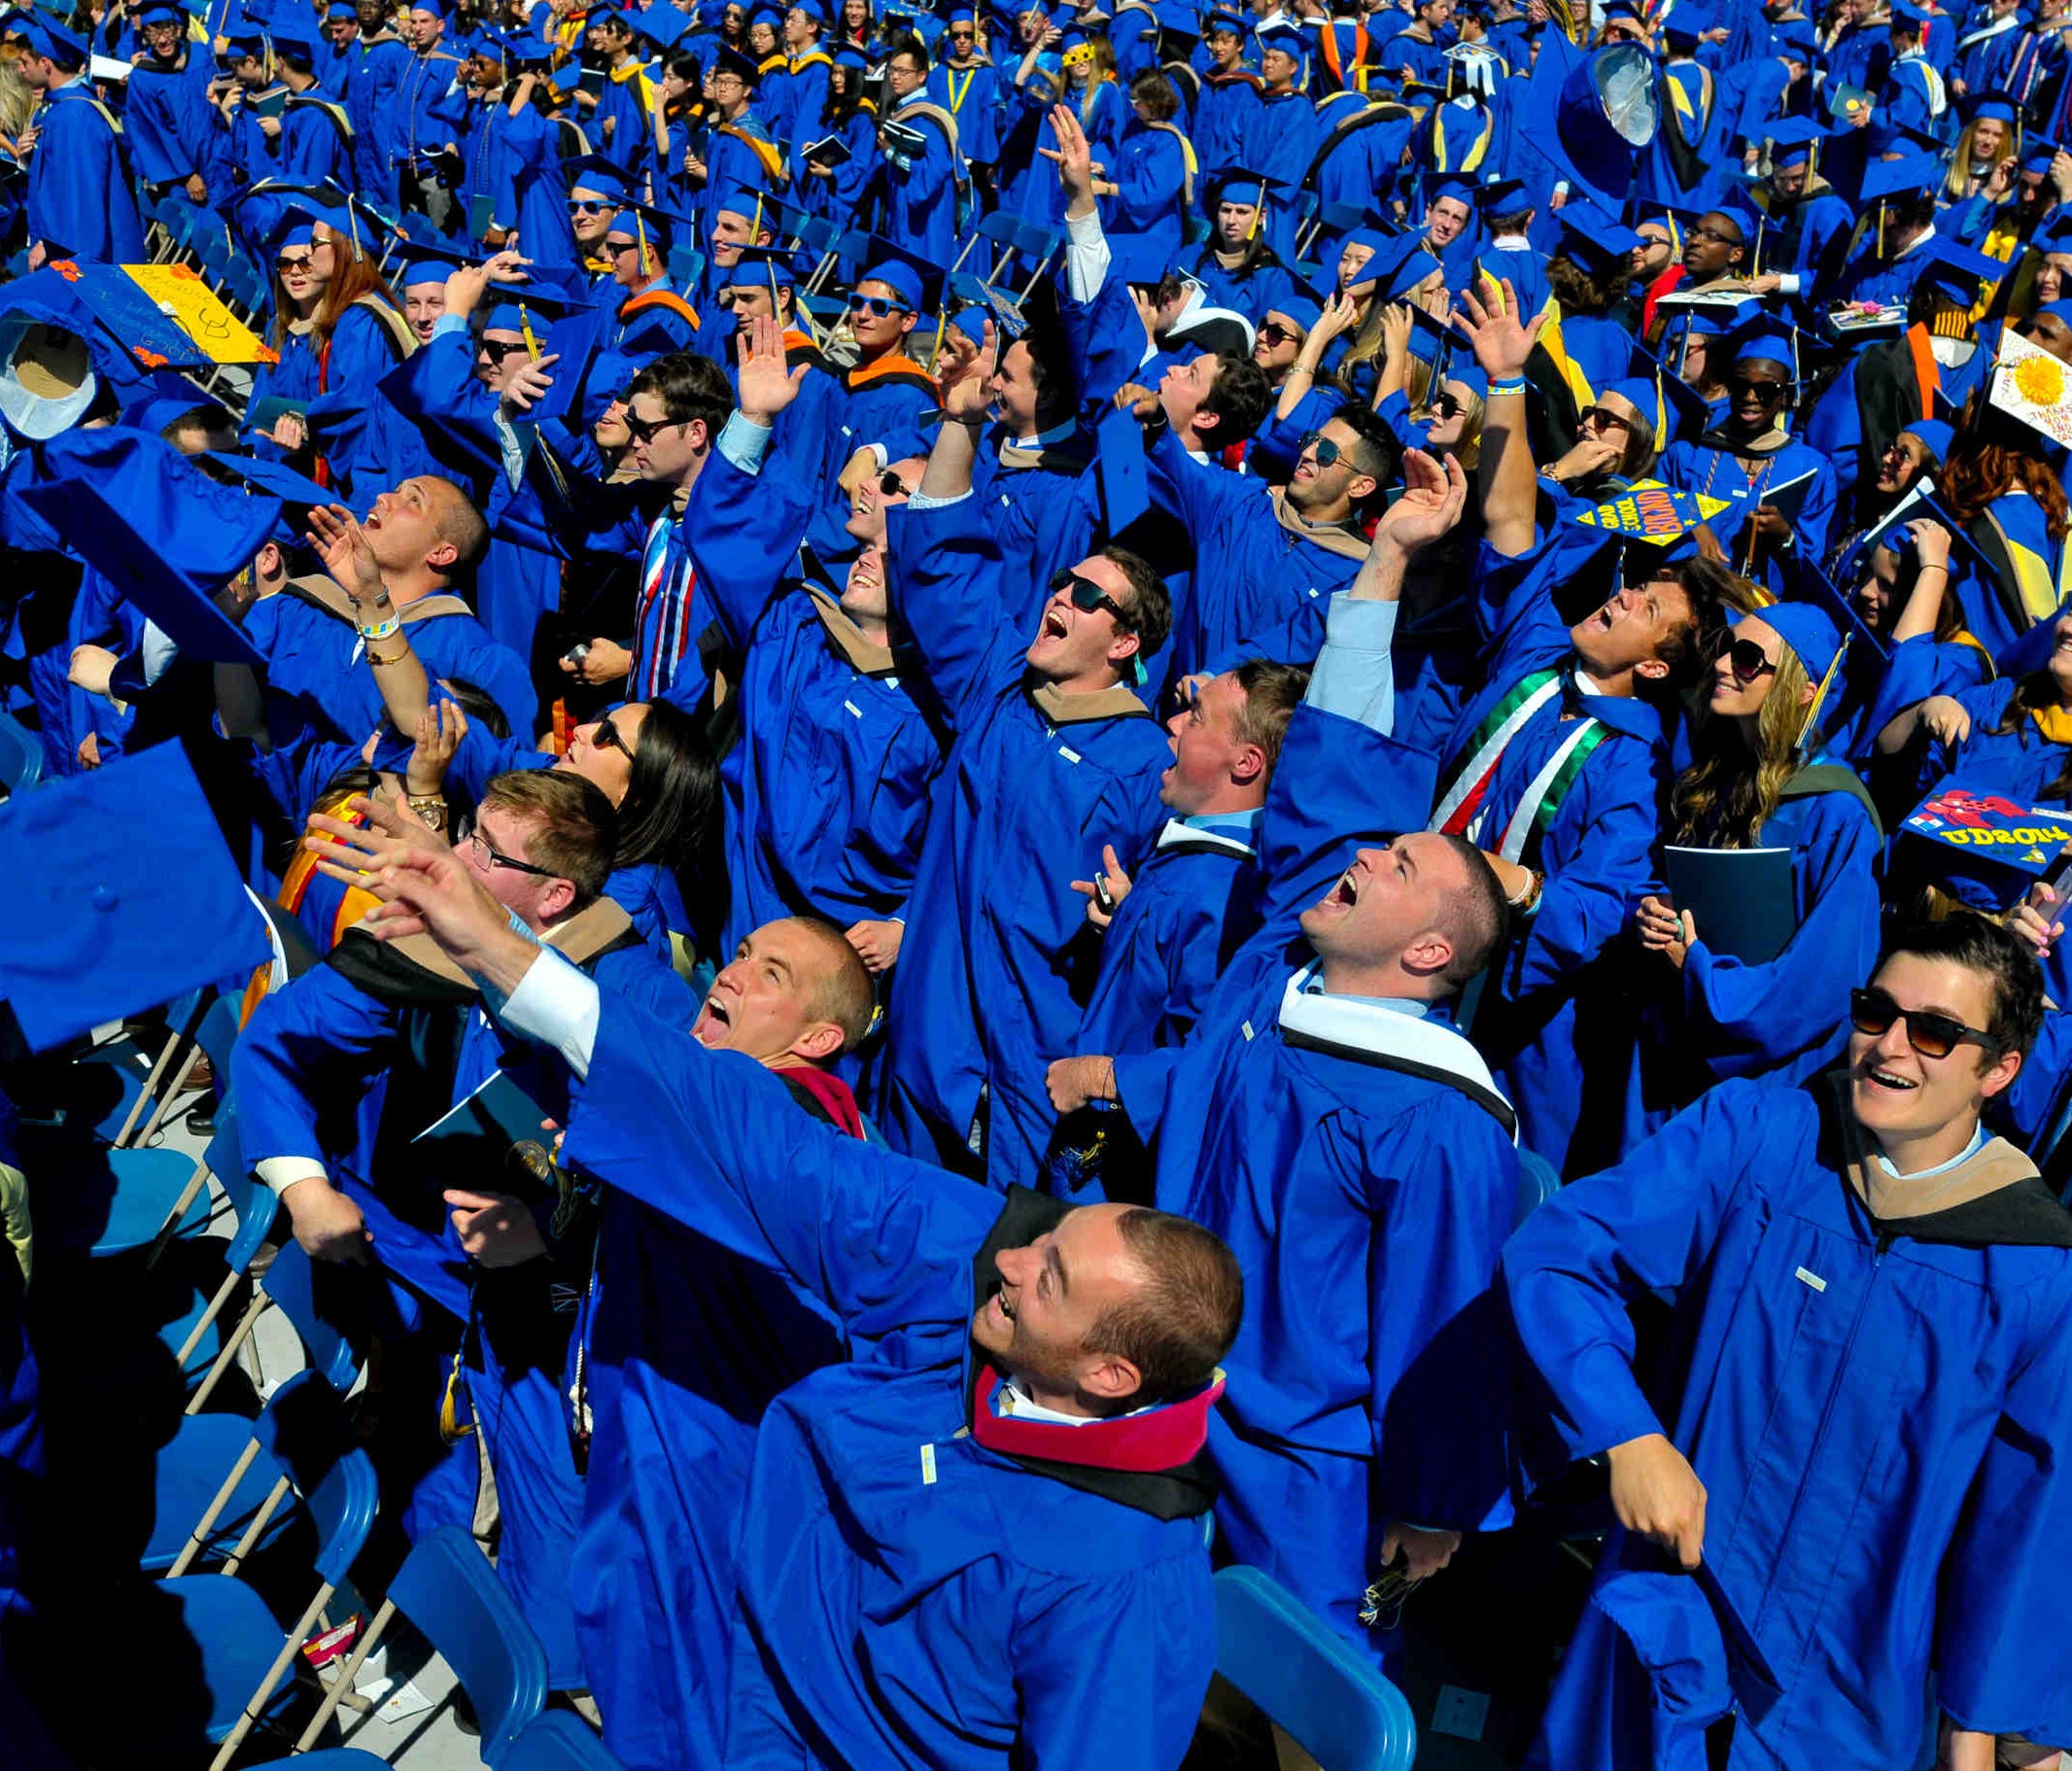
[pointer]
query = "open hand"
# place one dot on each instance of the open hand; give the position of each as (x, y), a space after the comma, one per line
(766, 384)
(334, 532)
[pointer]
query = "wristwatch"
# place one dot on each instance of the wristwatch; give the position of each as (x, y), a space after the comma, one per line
(430, 808)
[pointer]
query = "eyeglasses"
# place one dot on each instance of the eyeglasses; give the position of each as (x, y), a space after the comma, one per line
(1716, 236)
(590, 205)
(1087, 595)
(1273, 332)
(488, 854)
(605, 736)
(1932, 1035)
(1327, 452)
(496, 350)
(1746, 661)
(878, 305)
(646, 430)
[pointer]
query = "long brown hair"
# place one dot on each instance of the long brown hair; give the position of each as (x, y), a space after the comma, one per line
(2037, 692)
(1980, 468)
(354, 277)
(1729, 792)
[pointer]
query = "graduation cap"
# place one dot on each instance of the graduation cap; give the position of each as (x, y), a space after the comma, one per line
(1302, 304)
(1138, 257)
(2000, 107)
(762, 266)
(106, 925)
(45, 36)
(599, 176)
(1795, 38)
(1238, 185)
(164, 398)
(1763, 337)
(167, 11)
(1958, 271)
(1225, 18)
(648, 227)
(1120, 475)
(1688, 22)
(423, 263)
(1669, 397)
(2031, 650)
(1500, 197)
(1590, 233)
(294, 35)
(727, 59)
(1794, 141)
(1286, 39)
(274, 479)
(2037, 154)
(1981, 846)
(1586, 114)
(529, 310)
(157, 527)
(661, 26)
(1460, 185)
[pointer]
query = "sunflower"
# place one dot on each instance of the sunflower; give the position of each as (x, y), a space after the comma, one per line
(2040, 381)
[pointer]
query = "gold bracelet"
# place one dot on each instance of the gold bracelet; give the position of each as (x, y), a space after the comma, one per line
(430, 808)
(374, 657)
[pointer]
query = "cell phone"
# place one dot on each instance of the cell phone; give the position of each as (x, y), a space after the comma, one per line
(1103, 896)
(577, 653)
(2058, 881)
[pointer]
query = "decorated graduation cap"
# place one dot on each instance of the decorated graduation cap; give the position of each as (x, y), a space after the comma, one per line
(105, 925)
(1589, 234)
(1984, 849)
(157, 527)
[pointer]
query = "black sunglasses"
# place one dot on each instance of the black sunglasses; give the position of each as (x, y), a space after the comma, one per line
(1872, 1012)
(490, 855)
(1446, 406)
(1604, 415)
(1746, 661)
(1087, 595)
(1327, 452)
(496, 351)
(891, 485)
(646, 430)
(607, 736)
(1764, 390)
(1274, 332)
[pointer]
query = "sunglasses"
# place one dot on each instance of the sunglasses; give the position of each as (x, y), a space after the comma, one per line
(301, 260)
(1327, 452)
(1087, 595)
(1603, 416)
(618, 248)
(891, 485)
(606, 736)
(962, 36)
(1746, 661)
(590, 205)
(1763, 390)
(1274, 332)
(646, 430)
(496, 351)
(878, 305)
(1446, 406)
(1932, 1035)
(490, 856)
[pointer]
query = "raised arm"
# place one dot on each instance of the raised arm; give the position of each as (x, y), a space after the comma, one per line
(1502, 346)
(405, 686)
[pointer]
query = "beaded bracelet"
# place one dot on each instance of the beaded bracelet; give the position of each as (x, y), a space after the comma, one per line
(382, 630)
(1506, 387)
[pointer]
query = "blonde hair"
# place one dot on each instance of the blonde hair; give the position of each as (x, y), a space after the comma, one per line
(1726, 796)
(1468, 450)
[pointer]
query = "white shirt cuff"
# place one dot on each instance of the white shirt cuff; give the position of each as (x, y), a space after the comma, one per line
(556, 1005)
(742, 441)
(278, 1173)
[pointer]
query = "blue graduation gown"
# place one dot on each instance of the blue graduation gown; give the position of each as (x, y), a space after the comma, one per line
(835, 200)
(356, 428)
(920, 196)
(1150, 172)
(827, 789)
(315, 674)
(323, 1041)
(370, 104)
(1879, 1421)
(1552, 1019)
(2017, 765)
(313, 148)
(1190, 908)
(80, 202)
(1366, 1206)
(949, 1606)
(1253, 569)
(997, 959)
(626, 103)
(2022, 577)
(1787, 1017)
(1226, 117)
(1718, 473)
(171, 127)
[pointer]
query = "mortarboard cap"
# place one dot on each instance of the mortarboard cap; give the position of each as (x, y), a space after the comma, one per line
(1794, 38)
(1999, 106)
(2037, 154)
(421, 262)
(1120, 475)
(1935, 436)
(1960, 273)
(106, 925)
(759, 267)
(727, 59)
(157, 527)
(1809, 631)
(1138, 257)
(438, 9)
(172, 9)
(815, 10)
(274, 479)
(1763, 336)
(1905, 175)
(1586, 113)
(1301, 304)
(634, 220)
(293, 34)
(337, 12)
(163, 397)
(594, 173)
(46, 36)
(1500, 197)
(1284, 38)
(2031, 650)
(1588, 230)
(1793, 140)
(1912, 14)
(1225, 18)
(904, 280)
(1967, 836)
(1687, 21)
